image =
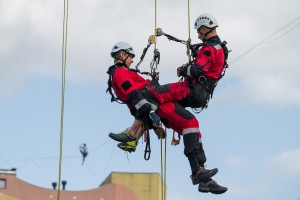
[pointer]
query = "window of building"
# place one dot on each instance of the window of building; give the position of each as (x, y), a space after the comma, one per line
(2, 183)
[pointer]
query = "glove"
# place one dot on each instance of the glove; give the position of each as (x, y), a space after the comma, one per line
(182, 70)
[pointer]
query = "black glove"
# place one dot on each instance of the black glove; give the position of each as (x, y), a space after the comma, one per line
(182, 70)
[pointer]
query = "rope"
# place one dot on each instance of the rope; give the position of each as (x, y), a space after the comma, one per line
(189, 20)
(161, 171)
(267, 39)
(155, 23)
(163, 167)
(153, 68)
(189, 32)
(64, 56)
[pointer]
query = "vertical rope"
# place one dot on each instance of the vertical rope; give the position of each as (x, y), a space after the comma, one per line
(189, 32)
(64, 56)
(162, 164)
(165, 167)
(155, 23)
(161, 171)
(189, 20)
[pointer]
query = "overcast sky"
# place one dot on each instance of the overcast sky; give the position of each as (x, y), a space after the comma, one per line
(250, 129)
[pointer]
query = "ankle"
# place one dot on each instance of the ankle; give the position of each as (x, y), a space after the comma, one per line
(131, 136)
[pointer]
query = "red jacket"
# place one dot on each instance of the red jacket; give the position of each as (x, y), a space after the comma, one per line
(127, 85)
(125, 81)
(213, 64)
(210, 60)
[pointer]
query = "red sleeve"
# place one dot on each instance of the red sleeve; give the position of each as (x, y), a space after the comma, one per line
(206, 57)
(213, 61)
(123, 81)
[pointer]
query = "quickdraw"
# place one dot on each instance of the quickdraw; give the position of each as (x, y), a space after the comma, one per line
(155, 61)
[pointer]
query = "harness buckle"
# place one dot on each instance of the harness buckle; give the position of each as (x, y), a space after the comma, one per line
(204, 82)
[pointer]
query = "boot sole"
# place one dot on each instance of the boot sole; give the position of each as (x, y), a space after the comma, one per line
(203, 190)
(212, 190)
(126, 148)
(220, 191)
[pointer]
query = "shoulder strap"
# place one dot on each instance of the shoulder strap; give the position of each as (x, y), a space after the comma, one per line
(226, 53)
(216, 43)
(109, 89)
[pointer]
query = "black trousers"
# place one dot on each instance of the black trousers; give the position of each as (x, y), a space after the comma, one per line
(193, 150)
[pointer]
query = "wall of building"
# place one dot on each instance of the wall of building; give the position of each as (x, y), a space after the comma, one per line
(147, 186)
(16, 189)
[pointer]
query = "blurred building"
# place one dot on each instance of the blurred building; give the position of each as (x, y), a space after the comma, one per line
(117, 186)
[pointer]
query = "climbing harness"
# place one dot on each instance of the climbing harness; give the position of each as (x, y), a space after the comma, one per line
(64, 58)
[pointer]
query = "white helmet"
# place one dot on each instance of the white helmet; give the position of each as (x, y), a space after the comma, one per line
(122, 46)
(205, 20)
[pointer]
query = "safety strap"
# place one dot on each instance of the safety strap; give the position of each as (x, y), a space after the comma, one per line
(109, 89)
(151, 40)
(147, 152)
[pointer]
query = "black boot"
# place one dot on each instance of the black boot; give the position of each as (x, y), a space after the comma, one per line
(211, 186)
(203, 175)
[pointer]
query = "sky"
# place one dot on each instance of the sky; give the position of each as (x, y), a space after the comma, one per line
(251, 127)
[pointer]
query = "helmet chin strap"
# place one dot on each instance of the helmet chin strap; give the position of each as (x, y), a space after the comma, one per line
(204, 35)
(124, 60)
